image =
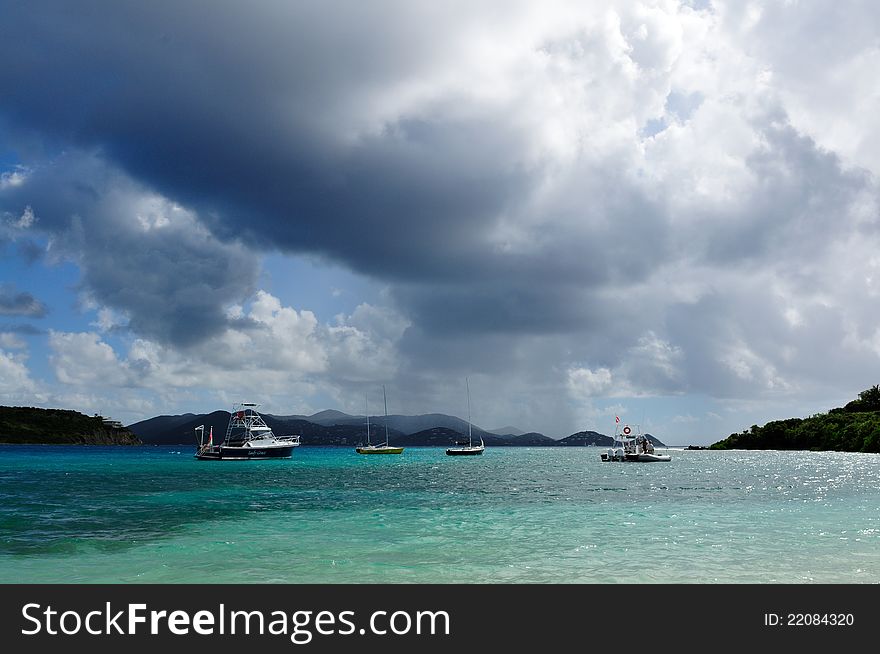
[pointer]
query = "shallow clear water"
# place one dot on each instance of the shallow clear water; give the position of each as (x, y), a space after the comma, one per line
(554, 515)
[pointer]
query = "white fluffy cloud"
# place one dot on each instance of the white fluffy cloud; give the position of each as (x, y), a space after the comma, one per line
(83, 359)
(13, 178)
(274, 351)
(583, 382)
(10, 341)
(15, 379)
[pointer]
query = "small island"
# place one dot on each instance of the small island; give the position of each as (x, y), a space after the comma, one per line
(33, 426)
(852, 428)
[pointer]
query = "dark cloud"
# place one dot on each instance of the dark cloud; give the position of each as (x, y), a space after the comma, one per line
(30, 250)
(21, 328)
(249, 135)
(241, 135)
(139, 254)
(20, 303)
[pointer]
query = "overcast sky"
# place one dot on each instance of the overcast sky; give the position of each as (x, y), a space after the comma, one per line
(666, 211)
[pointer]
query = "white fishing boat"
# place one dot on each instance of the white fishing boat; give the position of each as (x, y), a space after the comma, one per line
(247, 437)
(470, 449)
(381, 448)
(630, 445)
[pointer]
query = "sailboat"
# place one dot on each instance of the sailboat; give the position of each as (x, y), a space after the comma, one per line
(383, 448)
(470, 449)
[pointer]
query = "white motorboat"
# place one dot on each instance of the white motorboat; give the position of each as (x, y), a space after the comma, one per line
(247, 437)
(631, 445)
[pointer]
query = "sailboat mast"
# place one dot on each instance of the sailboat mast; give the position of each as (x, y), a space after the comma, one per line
(470, 434)
(385, 397)
(367, 413)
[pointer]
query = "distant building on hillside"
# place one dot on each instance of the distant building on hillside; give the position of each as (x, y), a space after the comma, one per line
(110, 423)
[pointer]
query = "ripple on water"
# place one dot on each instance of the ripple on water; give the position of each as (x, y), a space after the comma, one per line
(515, 515)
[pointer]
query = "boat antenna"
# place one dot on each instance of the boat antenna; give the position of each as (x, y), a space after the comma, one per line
(385, 397)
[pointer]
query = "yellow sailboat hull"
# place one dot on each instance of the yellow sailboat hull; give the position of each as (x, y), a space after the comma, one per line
(379, 449)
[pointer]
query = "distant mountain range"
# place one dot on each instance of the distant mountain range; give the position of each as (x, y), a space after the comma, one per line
(403, 424)
(337, 428)
(507, 431)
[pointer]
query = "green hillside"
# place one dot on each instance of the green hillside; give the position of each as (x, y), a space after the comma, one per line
(23, 425)
(852, 428)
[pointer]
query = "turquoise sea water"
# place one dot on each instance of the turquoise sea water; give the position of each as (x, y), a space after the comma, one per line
(552, 515)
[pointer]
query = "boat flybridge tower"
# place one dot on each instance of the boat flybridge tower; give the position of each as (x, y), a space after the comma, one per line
(245, 424)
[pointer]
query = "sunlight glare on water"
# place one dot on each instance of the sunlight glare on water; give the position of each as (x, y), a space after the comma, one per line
(524, 515)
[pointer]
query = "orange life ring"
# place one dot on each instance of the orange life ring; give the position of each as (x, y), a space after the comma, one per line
(626, 430)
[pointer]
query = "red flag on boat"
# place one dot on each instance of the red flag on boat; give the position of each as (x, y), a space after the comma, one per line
(239, 415)
(211, 436)
(616, 418)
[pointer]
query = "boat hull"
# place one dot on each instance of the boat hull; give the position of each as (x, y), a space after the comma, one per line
(379, 450)
(637, 458)
(649, 458)
(465, 451)
(226, 453)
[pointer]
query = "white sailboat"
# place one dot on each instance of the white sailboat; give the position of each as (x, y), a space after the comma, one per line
(470, 449)
(382, 448)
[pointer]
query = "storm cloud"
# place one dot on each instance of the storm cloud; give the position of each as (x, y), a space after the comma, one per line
(140, 253)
